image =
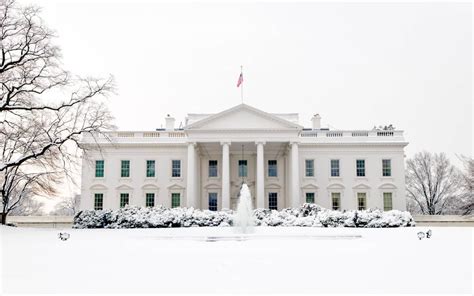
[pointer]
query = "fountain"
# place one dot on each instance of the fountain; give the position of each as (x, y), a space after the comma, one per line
(243, 219)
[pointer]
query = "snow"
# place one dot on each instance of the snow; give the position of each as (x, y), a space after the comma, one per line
(307, 215)
(272, 259)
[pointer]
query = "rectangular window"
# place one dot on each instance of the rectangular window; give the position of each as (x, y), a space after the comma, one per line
(212, 201)
(309, 197)
(386, 167)
(273, 201)
(98, 201)
(361, 201)
(175, 200)
(272, 168)
(360, 165)
(124, 199)
(175, 168)
(125, 169)
(243, 168)
(150, 168)
(309, 167)
(212, 168)
(99, 168)
(150, 200)
(334, 167)
(336, 201)
(387, 201)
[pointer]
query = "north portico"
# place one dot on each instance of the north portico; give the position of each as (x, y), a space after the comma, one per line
(204, 164)
(249, 136)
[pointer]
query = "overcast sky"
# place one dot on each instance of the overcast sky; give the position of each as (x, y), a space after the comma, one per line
(358, 65)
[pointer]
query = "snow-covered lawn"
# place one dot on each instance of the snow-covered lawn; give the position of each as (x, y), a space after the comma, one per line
(277, 259)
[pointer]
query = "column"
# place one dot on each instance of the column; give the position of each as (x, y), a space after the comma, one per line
(225, 176)
(191, 177)
(295, 177)
(260, 176)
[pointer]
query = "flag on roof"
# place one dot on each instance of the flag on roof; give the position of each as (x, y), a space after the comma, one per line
(241, 79)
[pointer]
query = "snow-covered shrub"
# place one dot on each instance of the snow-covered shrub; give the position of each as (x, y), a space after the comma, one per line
(308, 215)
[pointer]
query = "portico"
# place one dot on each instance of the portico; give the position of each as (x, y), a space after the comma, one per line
(262, 165)
(260, 137)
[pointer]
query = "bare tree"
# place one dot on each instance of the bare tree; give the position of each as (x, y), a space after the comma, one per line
(433, 184)
(467, 185)
(67, 207)
(28, 206)
(44, 110)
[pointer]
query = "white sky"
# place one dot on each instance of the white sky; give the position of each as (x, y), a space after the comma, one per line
(358, 65)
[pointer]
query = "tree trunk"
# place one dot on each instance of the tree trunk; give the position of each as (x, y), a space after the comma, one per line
(4, 218)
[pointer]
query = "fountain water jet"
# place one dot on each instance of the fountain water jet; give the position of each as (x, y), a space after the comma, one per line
(243, 219)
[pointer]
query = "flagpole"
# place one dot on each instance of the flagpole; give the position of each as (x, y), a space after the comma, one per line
(242, 86)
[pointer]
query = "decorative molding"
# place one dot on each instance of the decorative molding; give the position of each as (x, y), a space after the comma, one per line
(150, 187)
(310, 186)
(361, 186)
(336, 186)
(273, 186)
(175, 186)
(124, 187)
(387, 185)
(98, 187)
(237, 108)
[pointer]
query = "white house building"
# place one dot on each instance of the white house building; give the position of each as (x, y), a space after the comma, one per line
(285, 165)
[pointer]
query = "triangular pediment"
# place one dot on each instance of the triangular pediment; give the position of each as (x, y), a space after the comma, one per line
(361, 186)
(310, 186)
(242, 117)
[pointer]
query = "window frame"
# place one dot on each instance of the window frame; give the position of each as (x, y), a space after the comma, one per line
(244, 168)
(338, 168)
(128, 169)
(216, 169)
(272, 168)
(212, 207)
(96, 194)
(389, 167)
(173, 169)
(124, 195)
(146, 199)
(384, 200)
(271, 199)
(359, 198)
(338, 198)
(173, 196)
(97, 169)
(309, 193)
(306, 168)
(148, 168)
(364, 168)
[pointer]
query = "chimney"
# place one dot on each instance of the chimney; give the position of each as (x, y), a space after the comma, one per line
(169, 123)
(316, 121)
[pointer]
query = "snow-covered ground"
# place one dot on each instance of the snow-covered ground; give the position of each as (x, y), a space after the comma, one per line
(277, 259)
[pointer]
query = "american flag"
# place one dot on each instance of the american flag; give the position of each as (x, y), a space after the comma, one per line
(241, 79)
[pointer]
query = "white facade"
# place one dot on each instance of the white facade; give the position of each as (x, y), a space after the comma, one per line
(268, 142)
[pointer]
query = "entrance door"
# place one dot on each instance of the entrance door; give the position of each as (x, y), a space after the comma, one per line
(273, 201)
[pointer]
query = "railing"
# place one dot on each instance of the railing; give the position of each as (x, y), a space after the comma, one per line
(135, 137)
(333, 134)
(370, 134)
(360, 134)
(385, 134)
(157, 134)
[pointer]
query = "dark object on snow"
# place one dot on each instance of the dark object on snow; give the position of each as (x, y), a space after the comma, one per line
(429, 233)
(421, 235)
(64, 236)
